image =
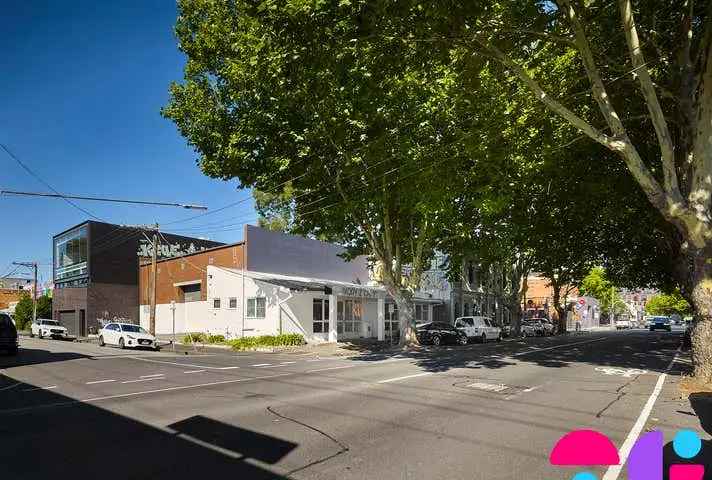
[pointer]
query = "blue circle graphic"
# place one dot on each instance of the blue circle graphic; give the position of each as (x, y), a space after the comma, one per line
(687, 443)
(584, 476)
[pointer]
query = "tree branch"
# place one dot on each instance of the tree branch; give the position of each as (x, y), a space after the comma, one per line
(651, 100)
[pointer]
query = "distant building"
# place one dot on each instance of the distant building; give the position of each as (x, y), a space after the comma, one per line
(635, 300)
(95, 272)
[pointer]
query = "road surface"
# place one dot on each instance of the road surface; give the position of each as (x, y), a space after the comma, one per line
(493, 411)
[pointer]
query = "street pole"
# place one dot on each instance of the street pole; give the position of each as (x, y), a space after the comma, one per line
(154, 278)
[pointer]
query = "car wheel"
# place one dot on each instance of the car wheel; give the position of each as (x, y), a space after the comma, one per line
(462, 340)
(499, 337)
(121, 343)
(484, 338)
(101, 341)
(436, 340)
(156, 348)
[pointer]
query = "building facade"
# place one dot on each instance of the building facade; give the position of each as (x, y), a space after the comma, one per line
(273, 283)
(95, 272)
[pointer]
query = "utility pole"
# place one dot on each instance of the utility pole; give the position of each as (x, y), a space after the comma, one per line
(154, 279)
(33, 266)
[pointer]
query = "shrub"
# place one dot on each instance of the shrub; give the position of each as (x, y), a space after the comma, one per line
(195, 338)
(288, 339)
(216, 339)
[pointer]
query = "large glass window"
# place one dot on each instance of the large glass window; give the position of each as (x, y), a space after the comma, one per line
(320, 315)
(421, 313)
(71, 253)
(348, 316)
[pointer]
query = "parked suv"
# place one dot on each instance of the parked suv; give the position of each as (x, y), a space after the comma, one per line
(8, 334)
(48, 328)
(479, 328)
(438, 333)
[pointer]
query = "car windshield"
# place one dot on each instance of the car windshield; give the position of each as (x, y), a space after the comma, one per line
(133, 329)
(50, 322)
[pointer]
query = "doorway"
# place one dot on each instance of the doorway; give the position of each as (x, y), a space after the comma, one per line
(392, 325)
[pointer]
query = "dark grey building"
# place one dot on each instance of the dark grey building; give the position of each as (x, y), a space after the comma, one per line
(95, 271)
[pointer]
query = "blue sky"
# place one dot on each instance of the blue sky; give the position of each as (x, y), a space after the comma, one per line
(82, 86)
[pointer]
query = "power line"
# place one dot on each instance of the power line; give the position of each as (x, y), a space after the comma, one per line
(38, 178)
(104, 199)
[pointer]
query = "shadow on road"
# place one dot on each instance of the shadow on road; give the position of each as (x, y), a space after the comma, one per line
(702, 405)
(34, 356)
(57, 437)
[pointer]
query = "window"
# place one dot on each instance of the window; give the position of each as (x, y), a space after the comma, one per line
(191, 293)
(71, 254)
(421, 313)
(216, 303)
(256, 307)
(320, 315)
(348, 316)
(233, 303)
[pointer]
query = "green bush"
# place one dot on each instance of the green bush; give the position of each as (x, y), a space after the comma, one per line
(195, 338)
(216, 339)
(267, 341)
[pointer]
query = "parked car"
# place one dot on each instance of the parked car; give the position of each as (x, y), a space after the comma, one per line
(532, 328)
(623, 324)
(126, 335)
(9, 342)
(438, 333)
(480, 328)
(48, 328)
(660, 323)
(548, 326)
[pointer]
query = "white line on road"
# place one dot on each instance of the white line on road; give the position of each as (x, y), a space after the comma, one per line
(389, 380)
(261, 364)
(194, 371)
(331, 368)
(154, 375)
(142, 380)
(175, 363)
(226, 368)
(537, 350)
(615, 470)
(286, 363)
(51, 387)
(100, 381)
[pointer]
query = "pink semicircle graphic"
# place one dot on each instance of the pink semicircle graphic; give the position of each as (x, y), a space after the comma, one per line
(584, 447)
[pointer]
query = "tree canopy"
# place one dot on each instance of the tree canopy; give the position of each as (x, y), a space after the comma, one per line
(667, 304)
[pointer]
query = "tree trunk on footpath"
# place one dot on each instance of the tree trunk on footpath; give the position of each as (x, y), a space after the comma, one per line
(518, 290)
(702, 302)
(560, 310)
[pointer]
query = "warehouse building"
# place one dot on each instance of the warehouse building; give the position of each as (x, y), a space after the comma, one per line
(95, 272)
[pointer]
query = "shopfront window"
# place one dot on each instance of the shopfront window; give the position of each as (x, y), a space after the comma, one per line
(320, 315)
(421, 313)
(71, 253)
(349, 315)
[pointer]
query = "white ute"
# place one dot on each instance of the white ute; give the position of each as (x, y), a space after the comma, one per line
(48, 328)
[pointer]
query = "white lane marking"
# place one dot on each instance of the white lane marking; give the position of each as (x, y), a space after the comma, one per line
(331, 368)
(100, 381)
(261, 364)
(488, 386)
(142, 380)
(620, 371)
(10, 387)
(286, 363)
(175, 363)
(615, 470)
(226, 368)
(389, 380)
(154, 375)
(51, 387)
(194, 371)
(531, 389)
(556, 346)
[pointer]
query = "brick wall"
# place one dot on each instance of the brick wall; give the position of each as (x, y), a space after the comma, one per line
(7, 296)
(186, 269)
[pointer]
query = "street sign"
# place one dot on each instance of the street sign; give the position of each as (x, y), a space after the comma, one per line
(582, 301)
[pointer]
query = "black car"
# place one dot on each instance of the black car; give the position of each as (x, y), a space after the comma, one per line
(8, 335)
(438, 333)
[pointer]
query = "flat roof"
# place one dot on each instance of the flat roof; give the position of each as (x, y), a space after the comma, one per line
(211, 249)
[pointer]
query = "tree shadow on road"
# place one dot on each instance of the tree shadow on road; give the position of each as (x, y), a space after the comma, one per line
(46, 435)
(702, 405)
(34, 356)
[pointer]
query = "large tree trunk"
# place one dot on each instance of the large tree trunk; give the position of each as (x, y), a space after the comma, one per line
(560, 311)
(406, 317)
(702, 302)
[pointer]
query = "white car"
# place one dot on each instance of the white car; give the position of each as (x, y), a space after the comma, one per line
(623, 324)
(48, 328)
(480, 328)
(126, 335)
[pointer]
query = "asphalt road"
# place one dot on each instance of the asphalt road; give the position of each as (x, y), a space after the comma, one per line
(494, 411)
